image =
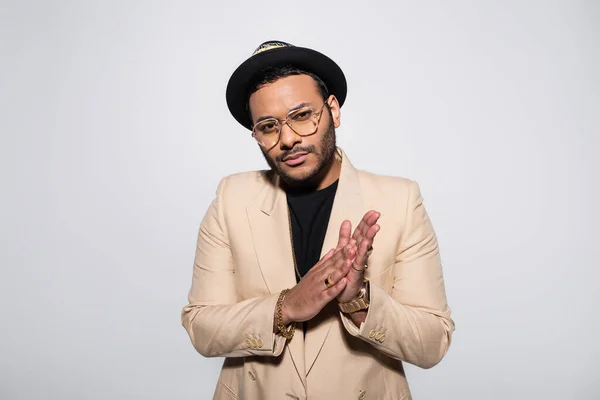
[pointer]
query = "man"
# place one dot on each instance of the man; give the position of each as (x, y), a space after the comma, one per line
(347, 257)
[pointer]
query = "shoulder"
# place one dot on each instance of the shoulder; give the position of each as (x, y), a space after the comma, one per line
(244, 185)
(387, 185)
(396, 197)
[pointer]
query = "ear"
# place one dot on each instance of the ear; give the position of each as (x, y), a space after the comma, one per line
(334, 106)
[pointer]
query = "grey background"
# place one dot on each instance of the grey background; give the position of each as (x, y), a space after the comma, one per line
(115, 134)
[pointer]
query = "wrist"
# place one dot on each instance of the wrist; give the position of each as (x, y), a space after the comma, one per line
(285, 316)
(358, 317)
(284, 327)
(361, 300)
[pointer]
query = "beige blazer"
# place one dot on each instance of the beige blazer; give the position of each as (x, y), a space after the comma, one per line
(244, 259)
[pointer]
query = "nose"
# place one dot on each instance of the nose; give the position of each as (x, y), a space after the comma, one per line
(288, 138)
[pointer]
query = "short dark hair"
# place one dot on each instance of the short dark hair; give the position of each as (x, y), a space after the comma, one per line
(272, 74)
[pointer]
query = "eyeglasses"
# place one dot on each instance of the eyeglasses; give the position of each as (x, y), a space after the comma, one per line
(303, 121)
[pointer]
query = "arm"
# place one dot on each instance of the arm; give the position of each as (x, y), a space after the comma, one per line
(217, 324)
(413, 322)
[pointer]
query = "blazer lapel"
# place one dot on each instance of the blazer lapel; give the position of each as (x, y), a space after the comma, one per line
(347, 205)
(269, 223)
(268, 218)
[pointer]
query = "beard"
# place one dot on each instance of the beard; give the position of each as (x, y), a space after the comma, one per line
(325, 155)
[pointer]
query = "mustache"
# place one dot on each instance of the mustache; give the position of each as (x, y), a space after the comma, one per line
(296, 150)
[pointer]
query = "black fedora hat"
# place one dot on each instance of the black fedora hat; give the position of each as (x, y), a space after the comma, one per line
(275, 54)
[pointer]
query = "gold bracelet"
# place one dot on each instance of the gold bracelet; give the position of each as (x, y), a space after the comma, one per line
(360, 302)
(289, 332)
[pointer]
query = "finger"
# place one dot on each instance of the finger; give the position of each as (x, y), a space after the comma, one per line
(367, 243)
(357, 270)
(337, 255)
(324, 261)
(348, 257)
(334, 291)
(363, 248)
(369, 223)
(370, 235)
(335, 274)
(366, 230)
(345, 232)
(346, 252)
(327, 256)
(361, 254)
(361, 224)
(344, 255)
(373, 218)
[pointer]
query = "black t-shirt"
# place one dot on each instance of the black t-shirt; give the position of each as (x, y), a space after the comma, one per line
(309, 213)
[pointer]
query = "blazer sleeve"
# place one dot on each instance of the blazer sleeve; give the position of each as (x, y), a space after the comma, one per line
(412, 323)
(217, 323)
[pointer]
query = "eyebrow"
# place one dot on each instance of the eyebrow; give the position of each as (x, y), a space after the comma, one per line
(295, 108)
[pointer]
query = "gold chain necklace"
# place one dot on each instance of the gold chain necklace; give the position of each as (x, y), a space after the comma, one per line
(292, 242)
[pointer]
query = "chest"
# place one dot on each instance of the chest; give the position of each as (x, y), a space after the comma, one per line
(263, 252)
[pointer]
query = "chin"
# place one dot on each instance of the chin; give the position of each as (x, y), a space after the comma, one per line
(299, 175)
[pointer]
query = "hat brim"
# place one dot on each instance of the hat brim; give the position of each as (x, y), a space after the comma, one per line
(303, 58)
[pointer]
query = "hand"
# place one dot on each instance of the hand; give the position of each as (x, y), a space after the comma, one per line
(304, 301)
(363, 240)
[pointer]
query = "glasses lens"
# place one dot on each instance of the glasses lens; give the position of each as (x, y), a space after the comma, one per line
(267, 132)
(303, 122)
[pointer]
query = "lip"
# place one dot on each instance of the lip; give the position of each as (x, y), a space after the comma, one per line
(295, 159)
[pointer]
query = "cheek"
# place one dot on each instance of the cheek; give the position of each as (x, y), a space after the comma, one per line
(272, 154)
(314, 141)
(322, 143)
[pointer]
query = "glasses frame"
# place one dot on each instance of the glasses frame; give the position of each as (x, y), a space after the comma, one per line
(285, 121)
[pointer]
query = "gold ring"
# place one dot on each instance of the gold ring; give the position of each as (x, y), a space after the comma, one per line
(328, 281)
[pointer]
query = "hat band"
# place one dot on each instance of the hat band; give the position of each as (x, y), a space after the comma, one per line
(269, 46)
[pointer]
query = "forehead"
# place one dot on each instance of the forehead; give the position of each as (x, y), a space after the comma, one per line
(279, 97)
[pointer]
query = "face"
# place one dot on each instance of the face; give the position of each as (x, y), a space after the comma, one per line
(299, 160)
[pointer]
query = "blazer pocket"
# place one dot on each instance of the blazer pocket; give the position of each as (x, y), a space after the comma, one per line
(224, 392)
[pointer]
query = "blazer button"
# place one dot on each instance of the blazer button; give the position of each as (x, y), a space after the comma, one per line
(254, 343)
(382, 338)
(378, 336)
(252, 376)
(361, 395)
(260, 343)
(248, 343)
(372, 333)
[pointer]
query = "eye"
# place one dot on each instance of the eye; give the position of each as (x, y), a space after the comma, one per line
(302, 115)
(267, 127)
